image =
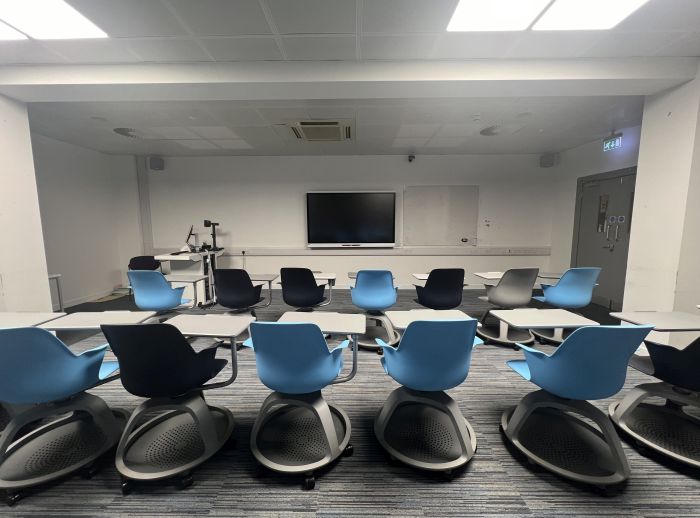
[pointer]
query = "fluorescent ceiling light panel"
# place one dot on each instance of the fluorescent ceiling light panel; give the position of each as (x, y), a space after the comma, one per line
(48, 20)
(8, 33)
(586, 15)
(495, 15)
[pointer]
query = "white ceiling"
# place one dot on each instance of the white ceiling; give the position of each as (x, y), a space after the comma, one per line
(382, 126)
(252, 30)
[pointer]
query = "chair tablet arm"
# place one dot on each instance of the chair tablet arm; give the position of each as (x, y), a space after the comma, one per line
(342, 345)
(381, 343)
(529, 350)
(234, 372)
(477, 341)
(248, 343)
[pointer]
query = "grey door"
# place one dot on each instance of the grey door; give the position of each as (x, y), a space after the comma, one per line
(602, 231)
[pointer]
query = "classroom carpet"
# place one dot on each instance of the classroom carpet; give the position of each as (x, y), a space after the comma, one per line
(494, 483)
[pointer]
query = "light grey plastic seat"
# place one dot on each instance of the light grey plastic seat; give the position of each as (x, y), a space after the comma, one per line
(513, 291)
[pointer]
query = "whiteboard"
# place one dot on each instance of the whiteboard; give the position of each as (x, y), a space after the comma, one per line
(440, 215)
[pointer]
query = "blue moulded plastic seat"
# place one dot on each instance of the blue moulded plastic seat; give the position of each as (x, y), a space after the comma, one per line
(374, 292)
(152, 292)
(42, 380)
(293, 360)
(590, 364)
(420, 424)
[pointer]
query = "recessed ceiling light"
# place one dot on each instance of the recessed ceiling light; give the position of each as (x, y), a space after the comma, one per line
(495, 15)
(48, 20)
(586, 15)
(8, 33)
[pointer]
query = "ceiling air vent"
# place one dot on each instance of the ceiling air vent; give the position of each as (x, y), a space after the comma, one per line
(322, 131)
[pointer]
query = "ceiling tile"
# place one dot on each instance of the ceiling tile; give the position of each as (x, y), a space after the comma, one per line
(416, 46)
(408, 143)
(688, 45)
(553, 44)
(167, 50)
(314, 16)
(319, 47)
(232, 144)
(404, 16)
(228, 113)
(446, 142)
(197, 144)
(621, 44)
(242, 49)
(331, 112)
(479, 45)
(371, 132)
(283, 115)
(130, 18)
(663, 15)
(222, 17)
(27, 51)
(93, 51)
(214, 132)
(458, 130)
(416, 130)
(172, 133)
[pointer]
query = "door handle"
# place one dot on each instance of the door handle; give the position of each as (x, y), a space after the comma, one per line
(617, 232)
(607, 231)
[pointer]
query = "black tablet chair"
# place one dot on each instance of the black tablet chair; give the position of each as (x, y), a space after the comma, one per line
(175, 430)
(668, 429)
(513, 291)
(300, 289)
(235, 291)
(144, 262)
(442, 290)
(43, 384)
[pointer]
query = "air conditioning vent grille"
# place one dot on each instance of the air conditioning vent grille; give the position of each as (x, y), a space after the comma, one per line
(322, 131)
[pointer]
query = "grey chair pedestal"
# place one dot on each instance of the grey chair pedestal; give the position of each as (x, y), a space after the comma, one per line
(185, 433)
(542, 428)
(502, 333)
(425, 430)
(381, 329)
(86, 430)
(299, 433)
(667, 428)
(553, 336)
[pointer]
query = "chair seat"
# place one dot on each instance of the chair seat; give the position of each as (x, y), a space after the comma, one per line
(521, 367)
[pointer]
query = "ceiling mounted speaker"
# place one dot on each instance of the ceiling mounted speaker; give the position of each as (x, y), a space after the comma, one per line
(156, 163)
(549, 159)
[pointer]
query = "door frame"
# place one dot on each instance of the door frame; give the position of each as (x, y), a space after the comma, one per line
(579, 195)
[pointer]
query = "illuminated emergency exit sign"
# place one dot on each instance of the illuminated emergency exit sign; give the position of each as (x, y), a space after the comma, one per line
(612, 143)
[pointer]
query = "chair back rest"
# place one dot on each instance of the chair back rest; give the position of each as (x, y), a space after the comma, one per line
(144, 262)
(289, 356)
(443, 288)
(374, 280)
(435, 355)
(514, 290)
(148, 281)
(33, 362)
(299, 287)
(591, 363)
(679, 367)
(574, 289)
(155, 360)
(234, 288)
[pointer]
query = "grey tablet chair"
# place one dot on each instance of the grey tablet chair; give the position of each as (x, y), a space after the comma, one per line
(668, 429)
(175, 430)
(514, 290)
(296, 431)
(44, 385)
(590, 364)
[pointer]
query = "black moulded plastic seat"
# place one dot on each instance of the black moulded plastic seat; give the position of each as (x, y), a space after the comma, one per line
(157, 362)
(236, 291)
(300, 289)
(667, 429)
(144, 262)
(442, 290)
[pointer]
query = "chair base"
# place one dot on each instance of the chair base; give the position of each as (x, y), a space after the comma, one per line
(425, 430)
(299, 433)
(666, 429)
(553, 336)
(503, 334)
(382, 329)
(543, 429)
(186, 433)
(85, 430)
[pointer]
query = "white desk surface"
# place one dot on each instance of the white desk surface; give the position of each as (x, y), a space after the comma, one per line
(421, 276)
(329, 322)
(402, 319)
(353, 275)
(323, 276)
(211, 325)
(531, 318)
(263, 277)
(190, 256)
(663, 321)
(93, 320)
(9, 319)
(549, 275)
(184, 277)
(489, 276)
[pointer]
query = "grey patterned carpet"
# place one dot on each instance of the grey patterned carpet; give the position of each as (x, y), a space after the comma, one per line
(494, 483)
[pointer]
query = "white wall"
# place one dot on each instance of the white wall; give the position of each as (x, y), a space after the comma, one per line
(90, 214)
(24, 285)
(585, 160)
(260, 204)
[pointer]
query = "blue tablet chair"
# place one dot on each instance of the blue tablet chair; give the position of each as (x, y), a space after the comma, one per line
(296, 430)
(374, 292)
(590, 364)
(669, 429)
(574, 290)
(152, 292)
(420, 424)
(42, 381)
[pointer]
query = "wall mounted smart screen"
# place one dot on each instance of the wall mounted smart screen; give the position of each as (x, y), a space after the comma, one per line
(351, 219)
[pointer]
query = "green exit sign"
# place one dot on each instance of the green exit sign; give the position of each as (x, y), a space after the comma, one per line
(612, 143)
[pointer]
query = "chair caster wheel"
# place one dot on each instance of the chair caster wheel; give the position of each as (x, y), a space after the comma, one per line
(348, 451)
(309, 483)
(185, 481)
(127, 486)
(516, 348)
(380, 352)
(12, 498)
(89, 471)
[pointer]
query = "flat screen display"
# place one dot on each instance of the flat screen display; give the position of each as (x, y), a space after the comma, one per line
(350, 218)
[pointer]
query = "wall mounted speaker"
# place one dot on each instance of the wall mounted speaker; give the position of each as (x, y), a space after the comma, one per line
(156, 163)
(549, 159)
